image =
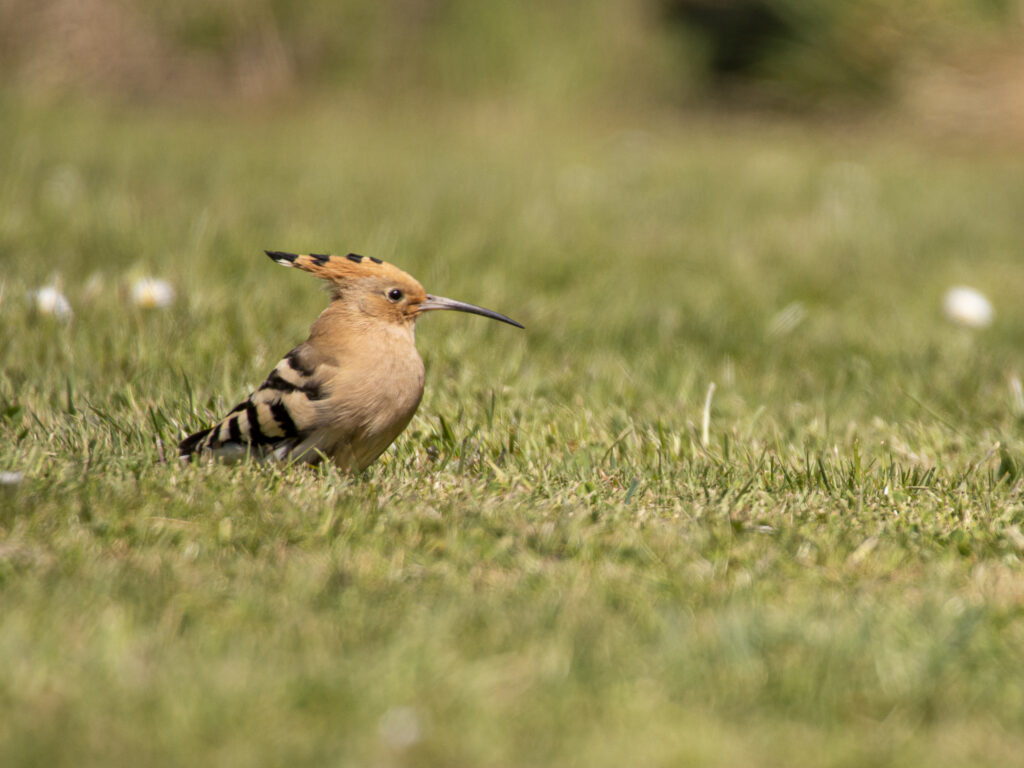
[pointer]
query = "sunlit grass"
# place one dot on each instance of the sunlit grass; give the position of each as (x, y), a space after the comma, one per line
(552, 565)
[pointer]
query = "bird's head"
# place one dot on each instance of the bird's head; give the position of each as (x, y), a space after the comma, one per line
(378, 289)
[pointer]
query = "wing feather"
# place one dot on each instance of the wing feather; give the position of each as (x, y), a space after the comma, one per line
(278, 420)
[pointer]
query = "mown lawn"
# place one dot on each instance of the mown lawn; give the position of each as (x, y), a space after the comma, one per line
(551, 566)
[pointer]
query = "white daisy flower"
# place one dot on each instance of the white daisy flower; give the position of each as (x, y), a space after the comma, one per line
(48, 300)
(152, 293)
(966, 306)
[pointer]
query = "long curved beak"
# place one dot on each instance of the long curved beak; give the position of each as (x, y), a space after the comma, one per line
(440, 302)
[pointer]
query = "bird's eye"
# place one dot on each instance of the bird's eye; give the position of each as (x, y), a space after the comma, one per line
(395, 295)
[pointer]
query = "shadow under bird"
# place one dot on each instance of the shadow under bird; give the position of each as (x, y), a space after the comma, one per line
(351, 388)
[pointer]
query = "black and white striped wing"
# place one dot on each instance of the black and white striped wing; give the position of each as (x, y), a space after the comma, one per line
(275, 420)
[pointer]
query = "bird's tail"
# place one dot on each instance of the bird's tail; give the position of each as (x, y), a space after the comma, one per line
(194, 444)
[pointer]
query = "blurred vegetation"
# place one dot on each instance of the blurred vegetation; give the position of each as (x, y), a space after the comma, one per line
(804, 52)
(736, 497)
(799, 53)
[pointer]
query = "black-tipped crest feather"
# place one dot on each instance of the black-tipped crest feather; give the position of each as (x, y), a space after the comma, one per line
(282, 258)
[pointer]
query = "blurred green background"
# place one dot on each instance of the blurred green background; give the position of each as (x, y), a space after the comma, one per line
(802, 55)
(559, 562)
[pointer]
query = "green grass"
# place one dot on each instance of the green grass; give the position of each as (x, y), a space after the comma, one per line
(550, 567)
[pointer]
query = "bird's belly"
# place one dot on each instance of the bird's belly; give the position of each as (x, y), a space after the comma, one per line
(389, 398)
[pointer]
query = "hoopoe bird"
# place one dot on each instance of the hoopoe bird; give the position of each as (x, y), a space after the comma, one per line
(351, 388)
